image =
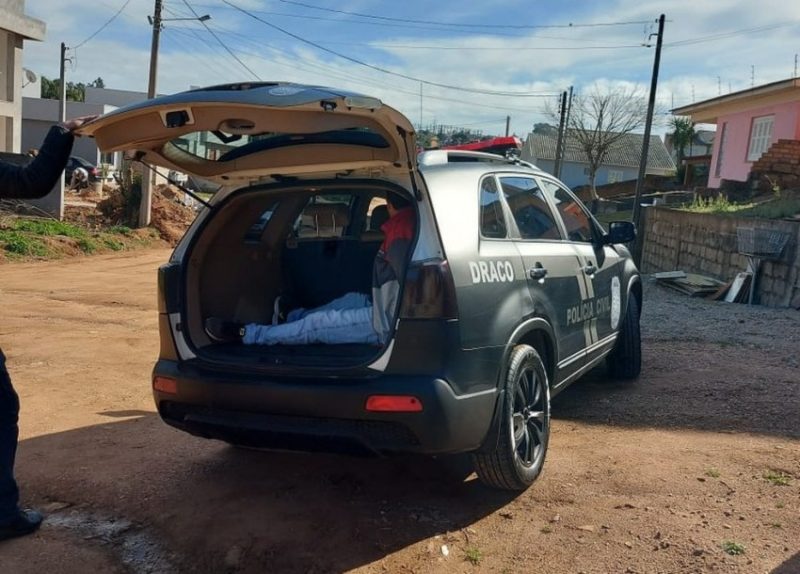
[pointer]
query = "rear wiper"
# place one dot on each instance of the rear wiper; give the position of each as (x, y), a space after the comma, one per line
(179, 185)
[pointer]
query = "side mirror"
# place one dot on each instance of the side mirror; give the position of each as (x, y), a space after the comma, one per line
(620, 232)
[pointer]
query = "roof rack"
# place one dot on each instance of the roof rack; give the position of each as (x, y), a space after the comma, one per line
(445, 156)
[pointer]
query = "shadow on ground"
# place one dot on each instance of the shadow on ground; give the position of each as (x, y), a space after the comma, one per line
(692, 386)
(220, 507)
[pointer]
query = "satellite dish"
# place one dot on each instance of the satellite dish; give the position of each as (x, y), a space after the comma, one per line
(30, 76)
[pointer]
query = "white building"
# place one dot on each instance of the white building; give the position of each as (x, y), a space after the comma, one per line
(15, 28)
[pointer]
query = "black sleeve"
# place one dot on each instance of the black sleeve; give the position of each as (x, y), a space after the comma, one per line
(38, 177)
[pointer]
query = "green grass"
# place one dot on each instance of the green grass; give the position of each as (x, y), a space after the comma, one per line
(473, 555)
(113, 244)
(772, 209)
(27, 237)
(546, 529)
(712, 472)
(780, 504)
(87, 245)
(733, 548)
(777, 478)
(23, 245)
(49, 227)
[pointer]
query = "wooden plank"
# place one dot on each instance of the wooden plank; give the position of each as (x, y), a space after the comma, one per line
(669, 275)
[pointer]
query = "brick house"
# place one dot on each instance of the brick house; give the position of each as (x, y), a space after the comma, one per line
(749, 123)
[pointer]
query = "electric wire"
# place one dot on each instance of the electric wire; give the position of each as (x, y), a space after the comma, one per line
(294, 62)
(385, 70)
(221, 43)
(461, 25)
(105, 25)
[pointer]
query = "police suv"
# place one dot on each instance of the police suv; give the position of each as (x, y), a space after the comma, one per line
(512, 290)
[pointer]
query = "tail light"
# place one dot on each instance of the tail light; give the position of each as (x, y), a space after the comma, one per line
(429, 291)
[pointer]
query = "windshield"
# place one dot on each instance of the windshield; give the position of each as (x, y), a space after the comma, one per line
(220, 146)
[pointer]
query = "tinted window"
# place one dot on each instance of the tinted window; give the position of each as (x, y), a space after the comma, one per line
(493, 222)
(324, 216)
(531, 212)
(577, 222)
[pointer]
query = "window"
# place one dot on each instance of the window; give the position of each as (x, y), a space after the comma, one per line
(324, 216)
(577, 222)
(529, 206)
(615, 175)
(760, 137)
(493, 222)
(720, 151)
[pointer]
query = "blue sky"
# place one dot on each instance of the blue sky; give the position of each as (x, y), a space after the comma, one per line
(525, 49)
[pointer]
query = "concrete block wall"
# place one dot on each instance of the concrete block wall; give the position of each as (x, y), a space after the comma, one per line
(707, 244)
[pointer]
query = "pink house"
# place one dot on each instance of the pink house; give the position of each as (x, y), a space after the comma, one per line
(748, 123)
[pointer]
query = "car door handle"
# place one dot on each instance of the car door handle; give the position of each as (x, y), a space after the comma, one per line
(538, 272)
(590, 269)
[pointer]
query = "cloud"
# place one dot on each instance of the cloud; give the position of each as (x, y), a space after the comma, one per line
(189, 56)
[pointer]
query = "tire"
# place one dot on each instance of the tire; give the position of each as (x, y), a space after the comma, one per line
(523, 425)
(625, 361)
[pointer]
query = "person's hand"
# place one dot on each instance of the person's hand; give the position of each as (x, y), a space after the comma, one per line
(75, 123)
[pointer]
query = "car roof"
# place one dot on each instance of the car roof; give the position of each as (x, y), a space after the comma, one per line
(477, 163)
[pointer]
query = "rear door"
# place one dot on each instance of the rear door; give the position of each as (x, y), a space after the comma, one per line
(239, 134)
(600, 270)
(551, 266)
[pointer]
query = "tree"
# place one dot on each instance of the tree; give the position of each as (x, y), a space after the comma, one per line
(51, 89)
(98, 83)
(682, 136)
(600, 119)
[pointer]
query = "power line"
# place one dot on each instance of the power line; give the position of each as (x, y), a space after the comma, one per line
(221, 43)
(723, 35)
(105, 25)
(293, 62)
(384, 70)
(459, 25)
(485, 48)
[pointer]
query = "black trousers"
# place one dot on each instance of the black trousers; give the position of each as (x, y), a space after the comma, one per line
(9, 433)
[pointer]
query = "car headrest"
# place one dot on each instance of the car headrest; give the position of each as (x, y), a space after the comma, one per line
(380, 215)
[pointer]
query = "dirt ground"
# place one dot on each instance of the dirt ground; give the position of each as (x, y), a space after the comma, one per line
(650, 476)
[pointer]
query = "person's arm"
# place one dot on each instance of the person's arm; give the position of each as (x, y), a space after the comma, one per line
(36, 179)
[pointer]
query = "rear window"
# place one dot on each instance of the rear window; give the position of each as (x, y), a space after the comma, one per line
(221, 146)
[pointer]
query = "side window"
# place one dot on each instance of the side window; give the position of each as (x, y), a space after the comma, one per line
(493, 221)
(576, 221)
(529, 206)
(324, 216)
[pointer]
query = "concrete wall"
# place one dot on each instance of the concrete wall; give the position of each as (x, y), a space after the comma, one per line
(736, 139)
(707, 244)
(116, 98)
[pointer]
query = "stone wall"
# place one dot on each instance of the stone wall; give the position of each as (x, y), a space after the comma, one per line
(779, 166)
(707, 244)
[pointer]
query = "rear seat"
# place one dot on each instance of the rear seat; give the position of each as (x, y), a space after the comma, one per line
(324, 220)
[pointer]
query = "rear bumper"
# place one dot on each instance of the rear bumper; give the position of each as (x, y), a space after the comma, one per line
(323, 414)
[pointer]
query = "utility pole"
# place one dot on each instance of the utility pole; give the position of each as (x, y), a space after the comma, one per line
(146, 205)
(752, 76)
(560, 140)
(420, 105)
(637, 202)
(508, 125)
(795, 66)
(566, 129)
(62, 117)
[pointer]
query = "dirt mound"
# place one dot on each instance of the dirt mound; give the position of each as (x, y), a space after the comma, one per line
(169, 216)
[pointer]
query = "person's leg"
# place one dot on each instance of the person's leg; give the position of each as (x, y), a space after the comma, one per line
(346, 301)
(9, 433)
(331, 326)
